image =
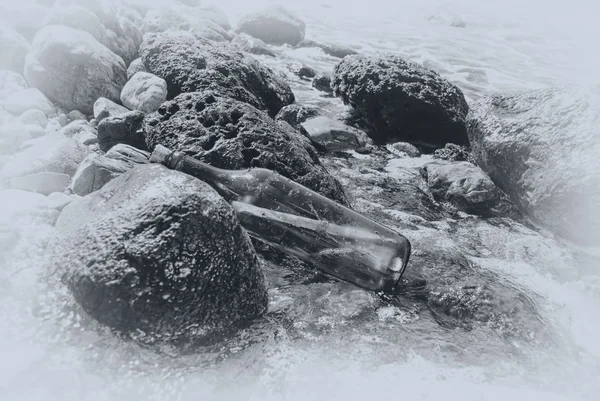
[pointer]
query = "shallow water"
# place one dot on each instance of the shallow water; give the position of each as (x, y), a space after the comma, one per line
(491, 308)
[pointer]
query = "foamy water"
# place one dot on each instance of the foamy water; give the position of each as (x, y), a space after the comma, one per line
(340, 343)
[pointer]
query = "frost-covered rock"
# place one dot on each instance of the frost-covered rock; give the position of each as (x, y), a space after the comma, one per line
(13, 49)
(44, 182)
(95, 172)
(116, 26)
(75, 115)
(160, 255)
(27, 99)
(81, 131)
(252, 45)
(334, 135)
(230, 134)
(402, 100)
(12, 136)
(274, 25)
(136, 65)
(104, 107)
(542, 148)
(73, 69)
(144, 92)
(11, 82)
(189, 63)
(50, 153)
(125, 128)
(34, 116)
(463, 184)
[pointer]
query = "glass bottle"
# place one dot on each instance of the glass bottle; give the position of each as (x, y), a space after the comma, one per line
(301, 222)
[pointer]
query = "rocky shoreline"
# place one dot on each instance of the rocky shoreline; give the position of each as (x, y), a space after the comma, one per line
(88, 92)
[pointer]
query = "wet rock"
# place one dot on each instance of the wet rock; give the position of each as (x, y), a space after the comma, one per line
(252, 45)
(43, 182)
(274, 25)
(452, 152)
(203, 22)
(73, 69)
(11, 82)
(136, 65)
(462, 184)
(402, 100)
(27, 99)
(322, 83)
(144, 92)
(13, 48)
(189, 63)
(95, 172)
(53, 154)
(295, 114)
(159, 255)
(330, 49)
(403, 149)
(125, 128)
(541, 148)
(104, 107)
(34, 116)
(334, 135)
(233, 135)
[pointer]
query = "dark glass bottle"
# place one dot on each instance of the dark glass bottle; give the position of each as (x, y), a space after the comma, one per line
(304, 223)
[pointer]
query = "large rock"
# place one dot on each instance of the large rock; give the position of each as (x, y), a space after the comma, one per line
(463, 184)
(13, 48)
(73, 69)
(233, 135)
(189, 63)
(542, 148)
(125, 128)
(274, 25)
(123, 39)
(252, 45)
(402, 100)
(144, 92)
(334, 135)
(160, 255)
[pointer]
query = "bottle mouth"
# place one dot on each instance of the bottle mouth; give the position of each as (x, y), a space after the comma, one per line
(399, 264)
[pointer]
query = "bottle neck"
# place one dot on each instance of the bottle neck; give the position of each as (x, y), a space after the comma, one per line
(221, 180)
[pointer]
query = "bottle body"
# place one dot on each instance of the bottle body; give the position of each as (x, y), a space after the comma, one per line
(304, 223)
